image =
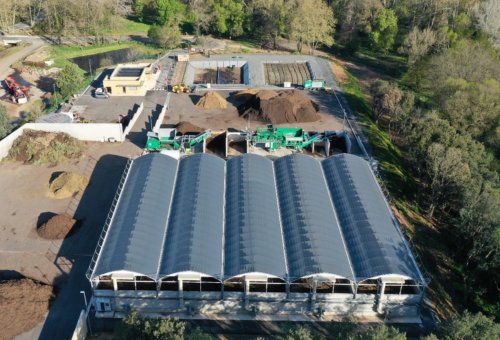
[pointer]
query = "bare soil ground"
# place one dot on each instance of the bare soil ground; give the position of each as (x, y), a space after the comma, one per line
(204, 75)
(23, 304)
(182, 108)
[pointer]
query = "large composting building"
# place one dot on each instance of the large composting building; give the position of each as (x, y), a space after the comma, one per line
(253, 234)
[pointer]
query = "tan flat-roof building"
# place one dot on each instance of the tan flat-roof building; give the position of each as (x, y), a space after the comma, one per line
(128, 78)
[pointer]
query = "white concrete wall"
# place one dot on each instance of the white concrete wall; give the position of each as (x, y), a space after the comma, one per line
(87, 132)
(159, 121)
(80, 332)
(133, 120)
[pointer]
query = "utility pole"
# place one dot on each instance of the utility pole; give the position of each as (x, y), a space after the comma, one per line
(55, 94)
(90, 66)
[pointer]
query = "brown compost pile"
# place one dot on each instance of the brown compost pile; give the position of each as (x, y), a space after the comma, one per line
(23, 304)
(186, 128)
(244, 95)
(280, 107)
(58, 227)
(212, 100)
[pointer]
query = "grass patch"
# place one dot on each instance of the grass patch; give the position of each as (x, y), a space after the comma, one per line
(6, 51)
(389, 156)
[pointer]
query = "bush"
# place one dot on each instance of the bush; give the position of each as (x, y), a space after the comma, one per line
(4, 122)
(245, 50)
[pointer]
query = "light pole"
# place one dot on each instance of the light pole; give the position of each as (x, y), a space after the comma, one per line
(90, 66)
(55, 94)
(86, 309)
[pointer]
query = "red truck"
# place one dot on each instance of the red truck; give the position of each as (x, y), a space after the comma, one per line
(19, 94)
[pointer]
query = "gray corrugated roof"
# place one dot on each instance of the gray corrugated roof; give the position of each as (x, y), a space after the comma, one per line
(135, 237)
(195, 226)
(279, 218)
(375, 244)
(312, 236)
(252, 233)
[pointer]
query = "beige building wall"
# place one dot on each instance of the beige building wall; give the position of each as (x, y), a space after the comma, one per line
(128, 85)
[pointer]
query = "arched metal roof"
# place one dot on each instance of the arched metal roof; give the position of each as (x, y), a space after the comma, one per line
(135, 236)
(374, 241)
(312, 235)
(253, 241)
(195, 226)
(290, 218)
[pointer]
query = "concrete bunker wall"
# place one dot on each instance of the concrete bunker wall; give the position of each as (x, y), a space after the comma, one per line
(193, 65)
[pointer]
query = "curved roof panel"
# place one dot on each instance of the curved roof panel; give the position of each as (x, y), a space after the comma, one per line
(312, 235)
(253, 232)
(375, 244)
(195, 227)
(134, 238)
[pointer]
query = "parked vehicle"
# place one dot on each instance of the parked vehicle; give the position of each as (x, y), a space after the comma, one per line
(101, 95)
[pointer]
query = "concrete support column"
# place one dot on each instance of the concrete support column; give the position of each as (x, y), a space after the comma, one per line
(313, 145)
(181, 295)
(247, 297)
(313, 295)
(380, 304)
(327, 147)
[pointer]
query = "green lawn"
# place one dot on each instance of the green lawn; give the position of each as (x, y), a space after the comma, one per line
(8, 51)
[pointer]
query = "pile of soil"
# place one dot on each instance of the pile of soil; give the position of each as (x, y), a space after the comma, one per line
(212, 100)
(58, 227)
(244, 95)
(38, 56)
(280, 107)
(40, 147)
(67, 184)
(186, 128)
(23, 304)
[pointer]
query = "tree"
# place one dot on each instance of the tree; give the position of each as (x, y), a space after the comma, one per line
(199, 15)
(417, 44)
(4, 122)
(447, 173)
(385, 29)
(169, 10)
(468, 326)
(310, 22)
(168, 35)
(345, 329)
(229, 16)
(138, 327)
(68, 79)
(487, 15)
(36, 110)
(385, 98)
(356, 16)
(269, 18)
(381, 333)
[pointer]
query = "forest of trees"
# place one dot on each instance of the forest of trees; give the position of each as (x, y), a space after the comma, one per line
(445, 108)
(466, 326)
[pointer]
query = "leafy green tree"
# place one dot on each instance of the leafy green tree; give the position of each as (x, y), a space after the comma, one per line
(381, 333)
(229, 16)
(310, 22)
(36, 110)
(138, 327)
(345, 329)
(169, 10)
(297, 333)
(4, 122)
(468, 327)
(384, 31)
(68, 79)
(168, 35)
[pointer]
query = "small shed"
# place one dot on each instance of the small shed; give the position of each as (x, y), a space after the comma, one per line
(183, 57)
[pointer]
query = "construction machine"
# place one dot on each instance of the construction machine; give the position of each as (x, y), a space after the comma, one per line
(167, 139)
(19, 94)
(181, 88)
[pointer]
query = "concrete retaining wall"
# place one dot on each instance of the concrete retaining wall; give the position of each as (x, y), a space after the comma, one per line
(80, 332)
(159, 121)
(133, 120)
